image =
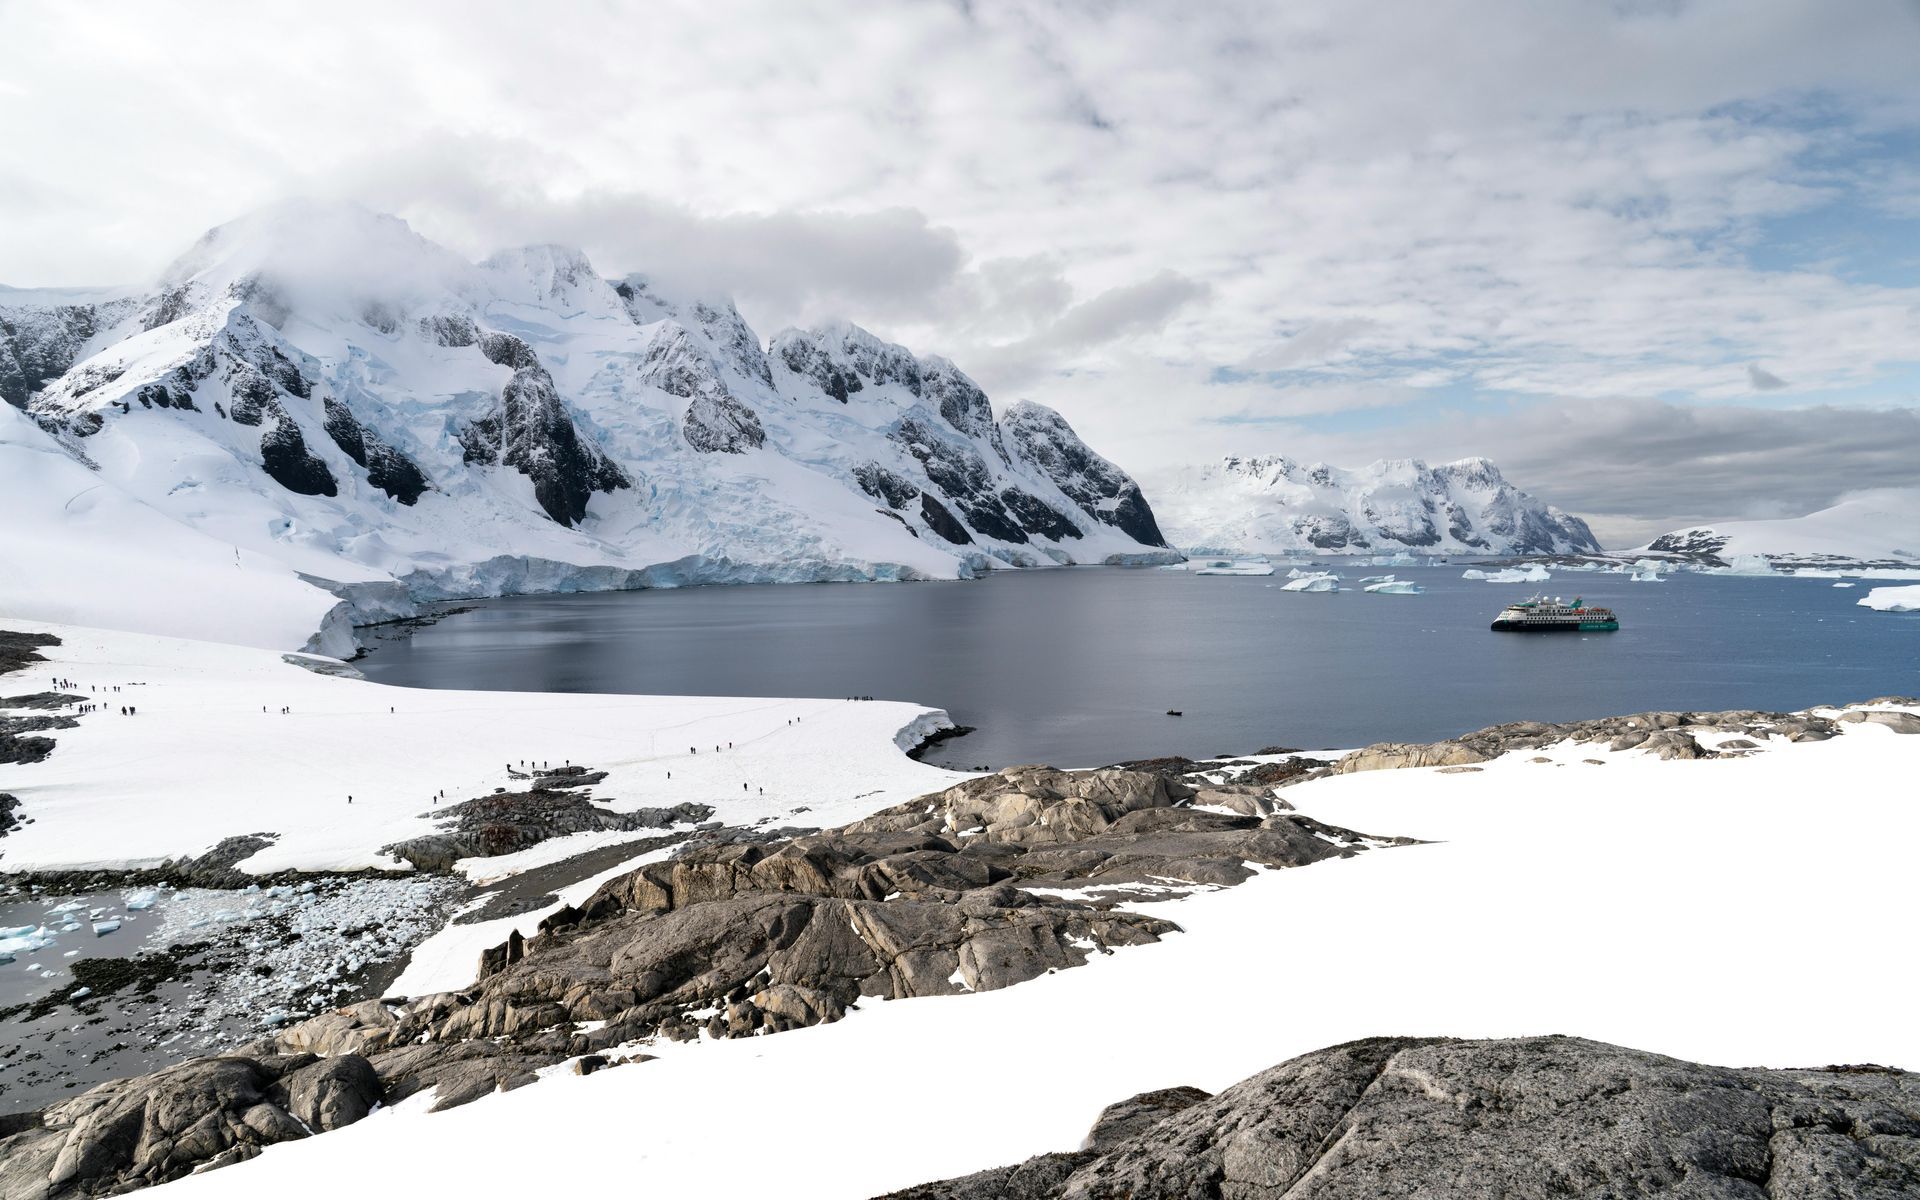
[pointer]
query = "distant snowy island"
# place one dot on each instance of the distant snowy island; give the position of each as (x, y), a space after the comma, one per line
(1275, 505)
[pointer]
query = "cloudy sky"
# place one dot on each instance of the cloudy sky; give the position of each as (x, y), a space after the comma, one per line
(1660, 259)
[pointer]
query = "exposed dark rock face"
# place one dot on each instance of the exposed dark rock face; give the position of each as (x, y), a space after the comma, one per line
(508, 821)
(961, 402)
(1547, 1116)
(957, 470)
(1041, 438)
(717, 421)
(39, 344)
(882, 484)
(18, 649)
(284, 456)
(387, 469)
(1702, 545)
(943, 522)
(1665, 734)
(805, 357)
(9, 813)
(449, 329)
(531, 431)
(19, 740)
(722, 425)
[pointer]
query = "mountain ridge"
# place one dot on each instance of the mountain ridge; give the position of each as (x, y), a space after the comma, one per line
(326, 387)
(1273, 504)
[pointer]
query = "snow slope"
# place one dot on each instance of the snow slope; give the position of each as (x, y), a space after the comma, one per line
(321, 387)
(1275, 505)
(1626, 902)
(201, 761)
(1879, 526)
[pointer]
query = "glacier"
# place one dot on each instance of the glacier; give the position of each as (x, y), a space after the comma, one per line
(1389, 509)
(317, 418)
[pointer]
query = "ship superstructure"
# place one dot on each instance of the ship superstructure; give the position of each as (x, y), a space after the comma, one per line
(1544, 614)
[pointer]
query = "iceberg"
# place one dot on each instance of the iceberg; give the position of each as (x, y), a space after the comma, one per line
(1892, 599)
(1324, 582)
(142, 900)
(101, 928)
(1224, 567)
(1376, 579)
(1534, 573)
(1404, 587)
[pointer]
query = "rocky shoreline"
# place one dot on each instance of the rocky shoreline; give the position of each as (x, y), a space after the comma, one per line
(992, 882)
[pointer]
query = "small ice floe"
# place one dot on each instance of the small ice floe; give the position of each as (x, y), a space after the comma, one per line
(102, 928)
(69, 906)
(1843, 585)
(23, 939)
(142, 900)
(1324, 582)
(1375, 579)
(1404, 587)
(80, 993)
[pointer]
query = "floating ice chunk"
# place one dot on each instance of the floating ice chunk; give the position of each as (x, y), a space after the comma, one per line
(23, 939)
(141, 901)
(1843, 585)
(1647, 577)
(1404, 587)
(69, 906)
(1376, 579)
(1534, 573)
(1748, 564)
(104, 927)
(1313, 583)
(1224, 567)
(1892, 599)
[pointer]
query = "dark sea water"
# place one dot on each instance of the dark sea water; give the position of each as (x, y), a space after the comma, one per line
(1077, 667)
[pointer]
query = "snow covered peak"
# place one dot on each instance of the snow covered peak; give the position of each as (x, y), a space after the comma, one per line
(551, 276)
(321, 385)
(1880, 526)
(1275, 505)
(318, 247)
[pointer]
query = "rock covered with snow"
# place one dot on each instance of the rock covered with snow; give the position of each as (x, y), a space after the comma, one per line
(1274, 505)
(1875, 528)
(323, 388)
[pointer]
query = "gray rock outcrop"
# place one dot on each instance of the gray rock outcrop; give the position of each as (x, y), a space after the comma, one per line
(1663, 734)
(1525, 1117)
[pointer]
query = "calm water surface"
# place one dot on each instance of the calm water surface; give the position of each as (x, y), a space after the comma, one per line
(1077, 667)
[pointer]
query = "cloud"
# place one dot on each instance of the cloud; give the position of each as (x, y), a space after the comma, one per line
(1639, 467)
(1184, 229)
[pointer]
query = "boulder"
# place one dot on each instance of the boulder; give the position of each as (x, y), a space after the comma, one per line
(1522, 1117)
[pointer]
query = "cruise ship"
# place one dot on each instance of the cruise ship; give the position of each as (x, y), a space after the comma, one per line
(1541, 615)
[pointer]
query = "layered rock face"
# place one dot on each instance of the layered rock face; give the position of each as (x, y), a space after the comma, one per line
(1277, 505)
(1549, 1116)
(329, 390)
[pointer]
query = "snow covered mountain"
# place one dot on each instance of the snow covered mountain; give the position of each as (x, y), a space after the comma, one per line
(1877, 527)
(322, 388)
(1275, 505)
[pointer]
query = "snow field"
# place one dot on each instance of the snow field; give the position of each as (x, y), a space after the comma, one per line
(200, 761)
(1678, 907)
